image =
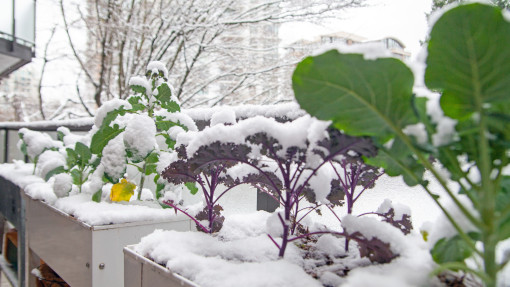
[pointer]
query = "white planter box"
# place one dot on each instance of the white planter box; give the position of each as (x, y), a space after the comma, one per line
(83, 255)
(140, 271)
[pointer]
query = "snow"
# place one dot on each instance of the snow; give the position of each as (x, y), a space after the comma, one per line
(288, 134)
(445, 126)
(48, 161)
(274, 224)
(417, 131)
(108, 107)
(142, 82)
(41, 191)
(287, 110)
(179, 117)
(37, 142)
(399, 210)
(71, 139)
(241, 255)
(140, 135)
(506, 15)
(224, 116)
(241, 260)
(369, 50)
(155, 67)
(62, 184)
(82, 122)
(114, 157)
(104, 213)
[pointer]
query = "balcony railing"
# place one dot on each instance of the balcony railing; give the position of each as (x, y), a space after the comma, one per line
(17, 34)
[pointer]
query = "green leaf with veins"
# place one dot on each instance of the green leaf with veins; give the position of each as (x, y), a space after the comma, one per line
(469, 62)
(341, 87)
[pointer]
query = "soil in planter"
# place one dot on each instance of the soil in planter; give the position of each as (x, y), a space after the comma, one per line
(49, 278)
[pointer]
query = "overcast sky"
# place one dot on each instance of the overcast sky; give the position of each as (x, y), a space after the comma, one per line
(402, 19)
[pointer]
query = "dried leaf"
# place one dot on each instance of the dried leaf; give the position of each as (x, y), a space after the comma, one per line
(122, 191)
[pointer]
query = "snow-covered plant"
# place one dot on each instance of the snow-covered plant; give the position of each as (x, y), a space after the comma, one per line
(209, 176)
(468, 63)
(127, 130)
(32, 144)
(282, 159)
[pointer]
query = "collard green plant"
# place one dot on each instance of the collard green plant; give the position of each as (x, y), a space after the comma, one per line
(80, 163)
(469, 64)
(152, 93)
(32, 144)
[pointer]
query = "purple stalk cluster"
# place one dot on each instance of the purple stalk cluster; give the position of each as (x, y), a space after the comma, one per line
(283, 173)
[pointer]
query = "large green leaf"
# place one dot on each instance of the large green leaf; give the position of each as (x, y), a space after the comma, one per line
(83, 152)
(97, 196)
(72, 158)
(503, 208)
(396, 163)
(453, 249)
(362, 97)
(101, 138)
(57, 170)
(164, 93)
(469, 59)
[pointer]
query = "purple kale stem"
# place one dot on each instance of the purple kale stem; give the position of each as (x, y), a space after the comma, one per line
(327, 159)
(367, 213)
(317, 233)
(169, 203)
(312, 209)
(298, 169)
(272, 239)
(369, 184)
(250, 164)
(285, 237)
(334, 213)
(225, 191)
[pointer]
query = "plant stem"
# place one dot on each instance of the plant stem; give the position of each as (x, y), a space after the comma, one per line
(142, 180)
(285, 237)
(81, 178)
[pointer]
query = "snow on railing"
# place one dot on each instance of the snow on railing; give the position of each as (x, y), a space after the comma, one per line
(202, 117)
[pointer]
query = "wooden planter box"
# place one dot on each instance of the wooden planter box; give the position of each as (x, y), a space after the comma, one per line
(142, 272)
(83, 255)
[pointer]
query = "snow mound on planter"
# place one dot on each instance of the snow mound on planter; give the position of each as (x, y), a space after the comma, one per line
(242, 255)
(411, 268)
(21, 175)
(37, 142)
(104, 213)
(236, 257)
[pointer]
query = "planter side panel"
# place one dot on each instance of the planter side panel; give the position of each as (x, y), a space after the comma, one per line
(141, 272)
(132, 272)
(62, 242)
(108, 245)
